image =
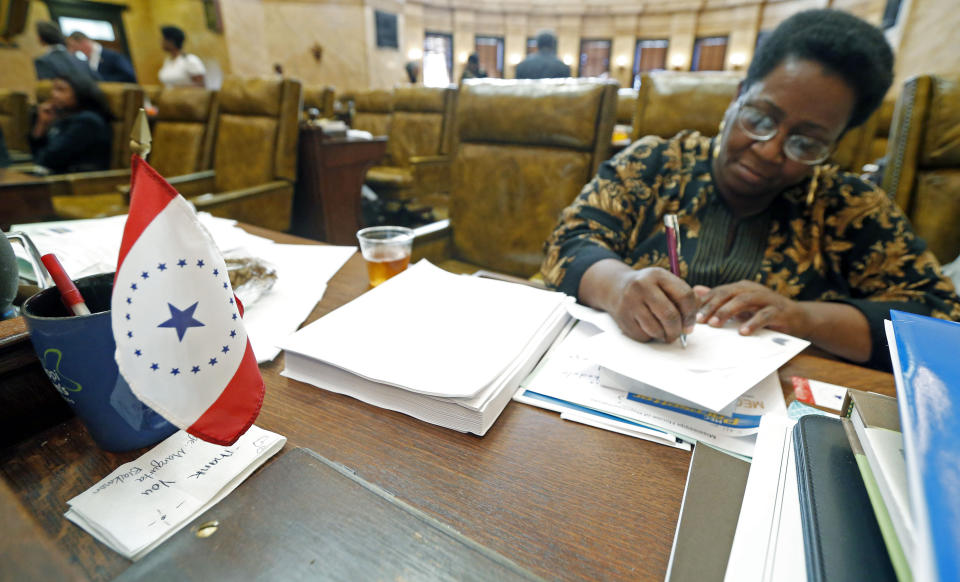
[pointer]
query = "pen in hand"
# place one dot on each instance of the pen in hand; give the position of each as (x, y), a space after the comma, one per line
(673, 252)
(71, 295)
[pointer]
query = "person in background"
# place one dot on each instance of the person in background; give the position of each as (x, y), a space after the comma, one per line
(111, 65)
(772, 237)
(413, 71)
(72, 132)
(179, 69)
(544, 63)
(473, 70)
(57, 60)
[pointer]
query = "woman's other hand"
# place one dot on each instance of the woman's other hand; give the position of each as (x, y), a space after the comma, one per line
(755, 305)
(647, 304)
(46, 115)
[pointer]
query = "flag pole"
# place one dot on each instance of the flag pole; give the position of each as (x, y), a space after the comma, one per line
(140, 136)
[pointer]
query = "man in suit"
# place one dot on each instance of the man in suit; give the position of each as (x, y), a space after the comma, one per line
(58, 61)
(111, 65)
(544, 63)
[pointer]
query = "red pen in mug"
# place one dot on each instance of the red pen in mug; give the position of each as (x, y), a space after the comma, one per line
(71, 295)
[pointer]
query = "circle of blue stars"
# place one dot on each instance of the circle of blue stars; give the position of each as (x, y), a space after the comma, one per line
(181, 320)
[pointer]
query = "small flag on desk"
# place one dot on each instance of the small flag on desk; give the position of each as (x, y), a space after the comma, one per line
(181, 343)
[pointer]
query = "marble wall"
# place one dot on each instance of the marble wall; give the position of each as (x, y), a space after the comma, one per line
(259, 33)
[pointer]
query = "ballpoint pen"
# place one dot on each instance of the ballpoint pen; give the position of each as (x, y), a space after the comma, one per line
(673, 251)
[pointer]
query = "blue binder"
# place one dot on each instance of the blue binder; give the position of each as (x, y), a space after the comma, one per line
(926, 363)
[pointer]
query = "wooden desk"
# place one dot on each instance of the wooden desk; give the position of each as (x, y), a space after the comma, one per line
(24, 198)
(330, 173)
(566, 501)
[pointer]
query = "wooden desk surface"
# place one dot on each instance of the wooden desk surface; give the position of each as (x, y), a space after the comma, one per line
(566, 501)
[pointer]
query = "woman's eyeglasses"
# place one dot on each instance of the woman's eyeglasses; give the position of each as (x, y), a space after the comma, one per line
(760, 126)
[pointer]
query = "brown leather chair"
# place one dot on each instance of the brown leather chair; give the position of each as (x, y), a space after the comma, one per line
(923, 160)
(669, 102)
(626, 106)
(881, 134)
(125, 101)
(319, 97)
(254, 155)
(372, 111)
(417, 163)
(182, 143)
(14, 119)
(524, 151)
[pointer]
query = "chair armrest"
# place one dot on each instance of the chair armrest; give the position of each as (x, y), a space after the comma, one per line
(423, 160)
(87, 183)
(268, 205)
(433, 242)
(431, 174)
(188, 184)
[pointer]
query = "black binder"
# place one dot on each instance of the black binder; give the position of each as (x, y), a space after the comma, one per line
(841, 538)
(303, 517)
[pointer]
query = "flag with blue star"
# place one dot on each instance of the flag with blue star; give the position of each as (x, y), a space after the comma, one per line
(181, 343)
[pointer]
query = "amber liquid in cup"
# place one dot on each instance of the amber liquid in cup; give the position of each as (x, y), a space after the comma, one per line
(385, 263)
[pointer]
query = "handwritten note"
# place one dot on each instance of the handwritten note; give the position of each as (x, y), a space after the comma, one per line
(141, 503)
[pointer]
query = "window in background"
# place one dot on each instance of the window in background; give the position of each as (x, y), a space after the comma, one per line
(594, 57)
(489, 51)
(709, 53)
(651, 55)
(386, 23)
(101, 22)
(531, 45)
(891, 12)
(437, 59)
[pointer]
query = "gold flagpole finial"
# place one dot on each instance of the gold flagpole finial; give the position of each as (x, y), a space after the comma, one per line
(140, 136)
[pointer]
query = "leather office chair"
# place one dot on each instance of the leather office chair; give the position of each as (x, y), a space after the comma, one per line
(125, 101)
(372, 111)
(669, 102)
(417, 163)
(524, 151)
(923, 160)
(626, 106)
(14, 119)
(254, 155)
(183, 133)
(881, 134)
(319, 97)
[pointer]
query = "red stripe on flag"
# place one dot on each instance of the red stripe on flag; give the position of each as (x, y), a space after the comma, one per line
(237, 407)
(149, 195)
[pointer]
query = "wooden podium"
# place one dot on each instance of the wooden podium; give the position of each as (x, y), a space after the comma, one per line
(330, 173)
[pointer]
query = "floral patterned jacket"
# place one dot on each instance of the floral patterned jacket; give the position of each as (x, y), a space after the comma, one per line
(833, 237)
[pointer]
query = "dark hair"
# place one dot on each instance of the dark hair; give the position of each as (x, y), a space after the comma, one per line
(844, 44)
(49, 33)
(473, 59)
(77, 35)
(413, 68)
(546, 41)
(88, 95)
(174, 34)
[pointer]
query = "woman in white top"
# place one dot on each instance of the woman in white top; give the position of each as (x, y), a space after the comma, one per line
(179, 68)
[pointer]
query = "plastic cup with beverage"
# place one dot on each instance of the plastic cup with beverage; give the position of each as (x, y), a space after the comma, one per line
(386, 249)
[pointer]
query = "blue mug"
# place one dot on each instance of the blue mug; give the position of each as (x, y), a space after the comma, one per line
(77, 353)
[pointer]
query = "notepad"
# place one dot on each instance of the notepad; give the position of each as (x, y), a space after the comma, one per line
(144, 502)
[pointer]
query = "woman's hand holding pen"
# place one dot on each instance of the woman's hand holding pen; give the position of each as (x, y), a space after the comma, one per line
(647, 304)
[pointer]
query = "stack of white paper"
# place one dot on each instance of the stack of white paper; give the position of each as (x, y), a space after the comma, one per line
(144, 502)
(447, 349)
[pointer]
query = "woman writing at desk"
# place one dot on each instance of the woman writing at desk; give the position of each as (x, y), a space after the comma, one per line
(771, 237)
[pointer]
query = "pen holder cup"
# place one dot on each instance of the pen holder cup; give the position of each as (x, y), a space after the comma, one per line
(77, 353)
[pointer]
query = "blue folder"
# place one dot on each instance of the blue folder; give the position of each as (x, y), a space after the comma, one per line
(927, 367)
